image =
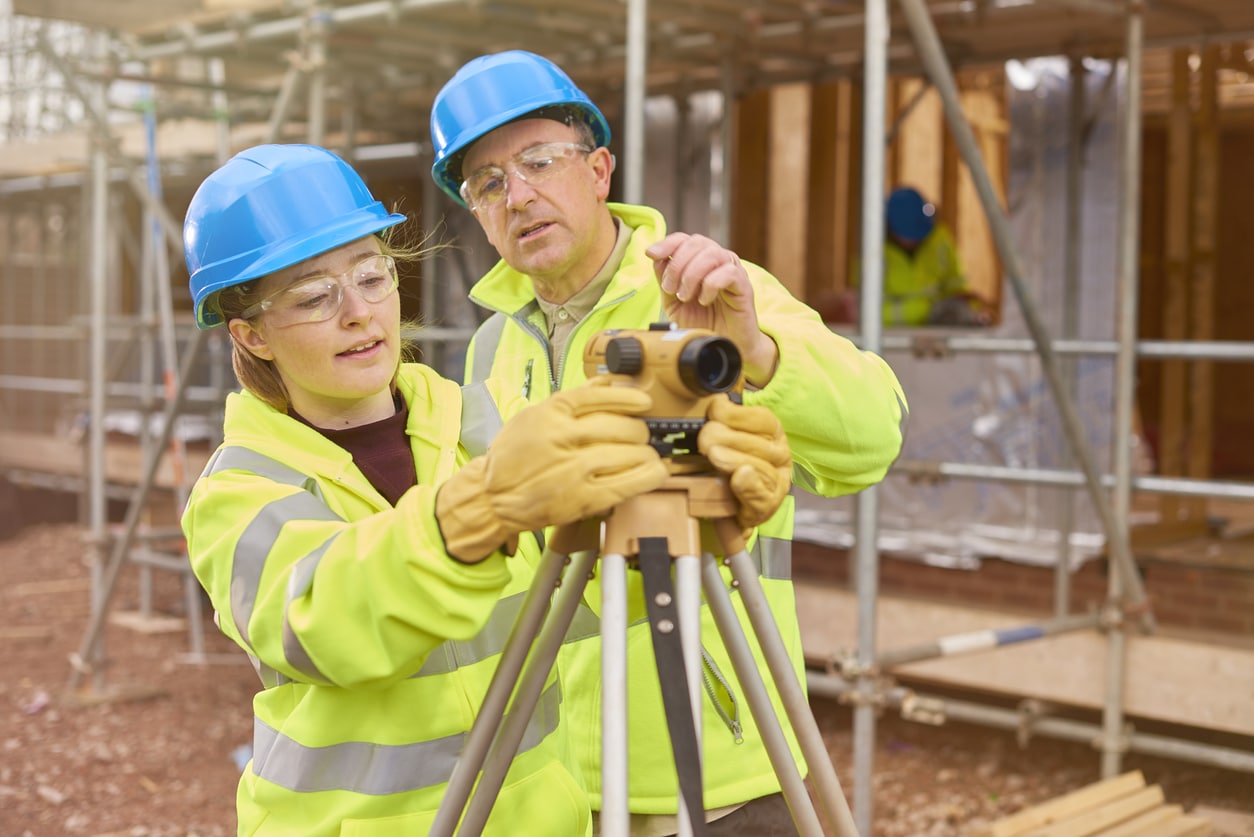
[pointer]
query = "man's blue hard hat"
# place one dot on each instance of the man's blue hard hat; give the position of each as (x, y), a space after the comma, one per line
(908, 215)
(270, 207)
(488, 92)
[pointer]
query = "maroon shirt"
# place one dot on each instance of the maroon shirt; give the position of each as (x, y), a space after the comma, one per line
(380, 449)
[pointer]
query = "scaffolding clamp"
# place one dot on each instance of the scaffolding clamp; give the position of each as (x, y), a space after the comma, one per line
(1113, 614)
(844, 663)
(930, 346)
(923, 710)
(1030, 711)
(1119, 742)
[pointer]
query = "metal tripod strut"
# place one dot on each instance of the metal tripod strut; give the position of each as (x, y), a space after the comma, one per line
(480, 749)
(822, 773)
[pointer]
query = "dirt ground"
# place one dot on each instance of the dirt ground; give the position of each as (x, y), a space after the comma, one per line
(160, 758)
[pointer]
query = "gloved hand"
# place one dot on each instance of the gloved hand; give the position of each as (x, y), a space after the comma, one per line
(748, 444)
(574, 455)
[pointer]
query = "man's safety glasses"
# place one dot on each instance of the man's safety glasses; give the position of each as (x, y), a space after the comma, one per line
(319, 298)
(534, 166)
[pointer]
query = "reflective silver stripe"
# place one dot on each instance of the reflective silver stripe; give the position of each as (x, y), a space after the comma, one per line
(298, 583)
(481, 419)
(583, 624)
(244, 459)
(255, 544)
(773, 557)
(258, 539)
(377, 769)
(487, 339)
(268, 676)
(484, 645)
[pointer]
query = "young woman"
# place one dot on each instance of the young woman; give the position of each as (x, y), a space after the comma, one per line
(352, 530)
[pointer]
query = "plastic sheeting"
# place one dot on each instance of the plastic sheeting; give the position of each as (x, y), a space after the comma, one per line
(996, 409)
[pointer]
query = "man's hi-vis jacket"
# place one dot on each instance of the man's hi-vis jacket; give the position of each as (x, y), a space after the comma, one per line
(843, 411)
(374, 646)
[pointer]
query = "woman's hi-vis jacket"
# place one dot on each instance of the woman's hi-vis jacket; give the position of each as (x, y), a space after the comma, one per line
(374, 646)
(844, 413)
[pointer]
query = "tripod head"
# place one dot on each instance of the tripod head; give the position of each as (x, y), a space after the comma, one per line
(681, 369)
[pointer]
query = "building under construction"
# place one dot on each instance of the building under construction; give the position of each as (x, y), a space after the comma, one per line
(1066, 540)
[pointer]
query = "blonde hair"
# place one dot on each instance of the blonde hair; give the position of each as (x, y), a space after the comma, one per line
(261, 377)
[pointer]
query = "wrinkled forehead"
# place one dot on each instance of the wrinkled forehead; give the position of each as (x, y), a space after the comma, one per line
(504, 143)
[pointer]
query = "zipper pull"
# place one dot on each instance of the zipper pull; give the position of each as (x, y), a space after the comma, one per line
(526, 385)
(738, 731)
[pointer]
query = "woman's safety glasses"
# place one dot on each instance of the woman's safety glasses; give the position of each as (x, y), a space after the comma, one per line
(319, 298)
(534, 166)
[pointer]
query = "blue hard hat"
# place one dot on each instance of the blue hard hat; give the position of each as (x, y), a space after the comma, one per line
(488, 92)
(908, 215)
(270, 207)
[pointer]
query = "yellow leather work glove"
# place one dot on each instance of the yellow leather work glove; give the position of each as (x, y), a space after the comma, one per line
(748, 444)
(574, 455)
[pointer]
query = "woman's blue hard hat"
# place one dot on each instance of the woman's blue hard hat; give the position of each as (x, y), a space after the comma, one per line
(270, 207)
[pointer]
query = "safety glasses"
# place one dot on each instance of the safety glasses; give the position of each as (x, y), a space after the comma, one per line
(319, 298)
(534, 166)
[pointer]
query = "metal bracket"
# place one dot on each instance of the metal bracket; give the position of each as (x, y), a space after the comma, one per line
(1030, 711)
(923, 710)
(930, 346)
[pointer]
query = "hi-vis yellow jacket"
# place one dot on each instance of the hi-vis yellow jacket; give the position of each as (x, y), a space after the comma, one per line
(374, 646)
(914, 283)
(843, 411)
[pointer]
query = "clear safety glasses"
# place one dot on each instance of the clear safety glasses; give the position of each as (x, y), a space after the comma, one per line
(319, 298)
(534, 166)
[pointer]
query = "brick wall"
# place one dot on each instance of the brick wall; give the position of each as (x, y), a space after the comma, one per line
(1214, 600)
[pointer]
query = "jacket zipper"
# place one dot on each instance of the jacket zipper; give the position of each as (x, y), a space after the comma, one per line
(729, 710)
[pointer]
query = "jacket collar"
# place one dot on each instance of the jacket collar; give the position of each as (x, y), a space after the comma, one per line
(504, 289)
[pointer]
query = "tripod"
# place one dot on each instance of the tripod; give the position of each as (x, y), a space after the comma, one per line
(651, 531)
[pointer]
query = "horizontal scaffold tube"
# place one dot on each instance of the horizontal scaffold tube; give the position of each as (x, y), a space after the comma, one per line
(972, 641)
(948, 709)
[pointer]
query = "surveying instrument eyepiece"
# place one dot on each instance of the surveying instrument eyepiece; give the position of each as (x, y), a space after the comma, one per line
(659, 535)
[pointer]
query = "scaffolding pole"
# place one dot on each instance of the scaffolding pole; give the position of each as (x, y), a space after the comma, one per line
(866, 504)
(633, 106)
(1113, 741)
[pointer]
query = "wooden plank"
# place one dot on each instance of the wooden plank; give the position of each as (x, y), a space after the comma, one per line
(1170, 678)
(1202, 287)
(749, 185)
(1182, 827)
(1136, 826)
(1227, 823)
(1175, 304)
(789, 171)
(1090, 822)
(124, 463)
(1066, 806)
(827, 262)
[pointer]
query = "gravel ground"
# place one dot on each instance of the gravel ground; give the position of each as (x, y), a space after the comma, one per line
(153, 750)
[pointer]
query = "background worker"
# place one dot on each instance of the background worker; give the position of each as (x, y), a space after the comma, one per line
(925, 282)
(352, 528)
(527, 151)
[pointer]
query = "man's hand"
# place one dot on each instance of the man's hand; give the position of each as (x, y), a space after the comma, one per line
(705, 286)
(748, 444)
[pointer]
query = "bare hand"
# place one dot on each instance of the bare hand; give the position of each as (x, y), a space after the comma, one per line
(705, 286)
